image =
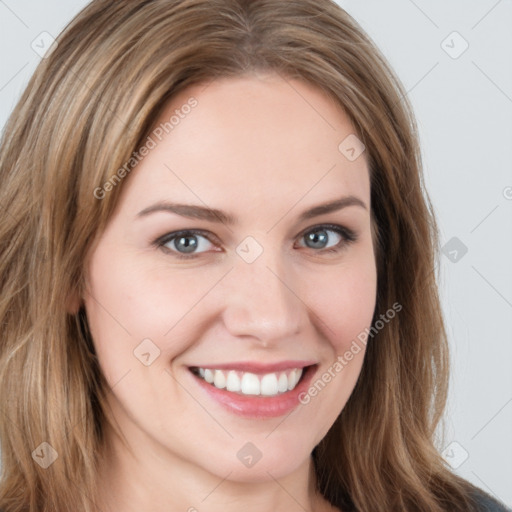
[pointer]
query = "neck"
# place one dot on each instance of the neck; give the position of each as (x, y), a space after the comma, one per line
(159, 481)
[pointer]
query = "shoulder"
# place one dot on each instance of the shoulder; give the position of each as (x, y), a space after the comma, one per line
(486, 503)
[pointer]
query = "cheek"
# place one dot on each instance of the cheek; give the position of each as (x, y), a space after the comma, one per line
(344, 299)
(343, 303)
(131, 301)
(134, 299)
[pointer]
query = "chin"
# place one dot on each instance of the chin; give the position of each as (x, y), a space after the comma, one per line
(248, 463)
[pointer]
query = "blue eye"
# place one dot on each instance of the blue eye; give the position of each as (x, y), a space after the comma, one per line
(191, 243)
(319, 238)
(184, 243)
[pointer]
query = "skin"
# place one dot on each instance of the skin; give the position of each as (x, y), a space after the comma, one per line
(264, 149)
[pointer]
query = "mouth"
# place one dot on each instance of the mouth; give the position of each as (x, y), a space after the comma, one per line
(255, 391)
(251, 383)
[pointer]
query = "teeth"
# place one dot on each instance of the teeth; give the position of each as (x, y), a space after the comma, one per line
(247, 383)
(269, 385)
(219, 379)
(233, 383)
(282, 383)
(250, 384)
(293, 379)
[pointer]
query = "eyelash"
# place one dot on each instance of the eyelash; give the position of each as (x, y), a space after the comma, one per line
(348, 237)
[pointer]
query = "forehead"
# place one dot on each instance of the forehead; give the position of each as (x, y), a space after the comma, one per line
(255, 138)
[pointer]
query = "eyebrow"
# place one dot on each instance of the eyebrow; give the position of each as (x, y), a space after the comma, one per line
(214, 215)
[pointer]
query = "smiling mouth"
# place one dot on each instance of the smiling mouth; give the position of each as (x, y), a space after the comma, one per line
(252, 384)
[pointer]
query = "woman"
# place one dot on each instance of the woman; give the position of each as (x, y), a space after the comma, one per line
(283, 348)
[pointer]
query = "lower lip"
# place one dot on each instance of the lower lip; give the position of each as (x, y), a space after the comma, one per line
(257, 406)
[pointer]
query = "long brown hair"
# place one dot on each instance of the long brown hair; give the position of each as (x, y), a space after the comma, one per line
(87, 108)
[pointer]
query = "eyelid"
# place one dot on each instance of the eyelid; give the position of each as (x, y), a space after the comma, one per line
(338, 228)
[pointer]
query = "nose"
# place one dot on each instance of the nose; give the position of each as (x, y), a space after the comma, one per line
(263, 300)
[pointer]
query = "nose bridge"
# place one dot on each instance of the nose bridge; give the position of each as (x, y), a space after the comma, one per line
(261, 301)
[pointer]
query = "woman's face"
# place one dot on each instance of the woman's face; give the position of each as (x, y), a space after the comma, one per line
(256, 296)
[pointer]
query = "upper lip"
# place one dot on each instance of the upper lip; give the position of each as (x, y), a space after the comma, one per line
(257, 367)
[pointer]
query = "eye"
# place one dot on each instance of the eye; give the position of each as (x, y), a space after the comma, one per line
(319, 238)
(190, 243)
(184, 244)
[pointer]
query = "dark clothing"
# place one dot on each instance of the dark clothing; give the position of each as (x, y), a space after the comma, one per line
(486, 503)
(489, 504)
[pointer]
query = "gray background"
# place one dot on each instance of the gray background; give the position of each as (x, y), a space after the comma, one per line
(463, 104)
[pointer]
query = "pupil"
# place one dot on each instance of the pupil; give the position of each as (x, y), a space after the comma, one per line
(318, 239)
(183, 244)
